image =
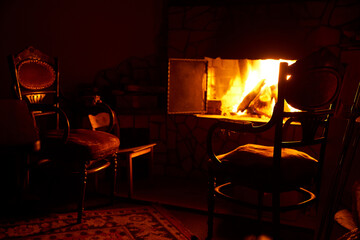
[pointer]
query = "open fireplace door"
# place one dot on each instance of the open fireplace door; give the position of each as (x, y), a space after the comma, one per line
(187, 83)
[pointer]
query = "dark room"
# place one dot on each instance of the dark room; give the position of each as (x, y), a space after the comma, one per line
(180, 119)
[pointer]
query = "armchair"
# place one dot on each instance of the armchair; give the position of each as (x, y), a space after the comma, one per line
(80, 151)
(284, 166)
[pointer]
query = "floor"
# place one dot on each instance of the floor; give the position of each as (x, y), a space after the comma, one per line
(184, 198)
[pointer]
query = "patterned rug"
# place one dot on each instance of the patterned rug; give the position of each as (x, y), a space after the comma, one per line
(143, 223)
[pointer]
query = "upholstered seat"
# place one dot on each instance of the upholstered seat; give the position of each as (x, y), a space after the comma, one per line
(298, 168)
(88, 143)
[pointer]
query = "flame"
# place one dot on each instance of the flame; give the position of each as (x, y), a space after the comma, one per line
(248, 81)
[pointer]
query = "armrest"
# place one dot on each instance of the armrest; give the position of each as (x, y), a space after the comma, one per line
(54, 109)
(234, 126)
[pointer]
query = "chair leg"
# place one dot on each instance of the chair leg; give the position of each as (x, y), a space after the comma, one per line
(276, 215)
(151, 163)
(260, 210)
(96, 182)
(211, 206)
(130, 175)
(26, 181)
(82, 195)
(114, 183)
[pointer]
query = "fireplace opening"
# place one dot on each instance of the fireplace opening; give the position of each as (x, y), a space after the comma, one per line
(236, 88)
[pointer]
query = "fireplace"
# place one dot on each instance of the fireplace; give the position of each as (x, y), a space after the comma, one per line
(236, 88)
(200, 31)
(265, 30)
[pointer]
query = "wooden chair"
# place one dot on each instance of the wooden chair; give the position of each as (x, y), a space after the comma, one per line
(285, 166)
(102, 120)
(81, 151)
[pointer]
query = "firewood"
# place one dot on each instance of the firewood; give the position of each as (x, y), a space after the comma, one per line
(262, 103)
(250, 96)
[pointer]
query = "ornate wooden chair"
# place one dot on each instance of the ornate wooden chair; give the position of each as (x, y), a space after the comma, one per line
(311, 85)
(102, 117)
(82, 151)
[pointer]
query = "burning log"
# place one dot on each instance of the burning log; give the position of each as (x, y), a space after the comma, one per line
(262, 103)
(251, 96)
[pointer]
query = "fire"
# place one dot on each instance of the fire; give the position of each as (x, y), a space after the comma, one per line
(252, 85)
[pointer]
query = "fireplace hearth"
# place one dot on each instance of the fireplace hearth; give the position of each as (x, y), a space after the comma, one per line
(226, 87)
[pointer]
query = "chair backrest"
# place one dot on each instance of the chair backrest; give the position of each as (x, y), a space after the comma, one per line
(311, 85)
(36, 80)
(100, 115)
(314, 83)
(99, 121)
(36, 76)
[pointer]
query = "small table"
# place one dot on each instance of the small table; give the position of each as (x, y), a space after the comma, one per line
(131, 153)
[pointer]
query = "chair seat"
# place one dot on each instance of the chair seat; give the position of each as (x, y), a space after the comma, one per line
(251, 165)
(83, 144)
